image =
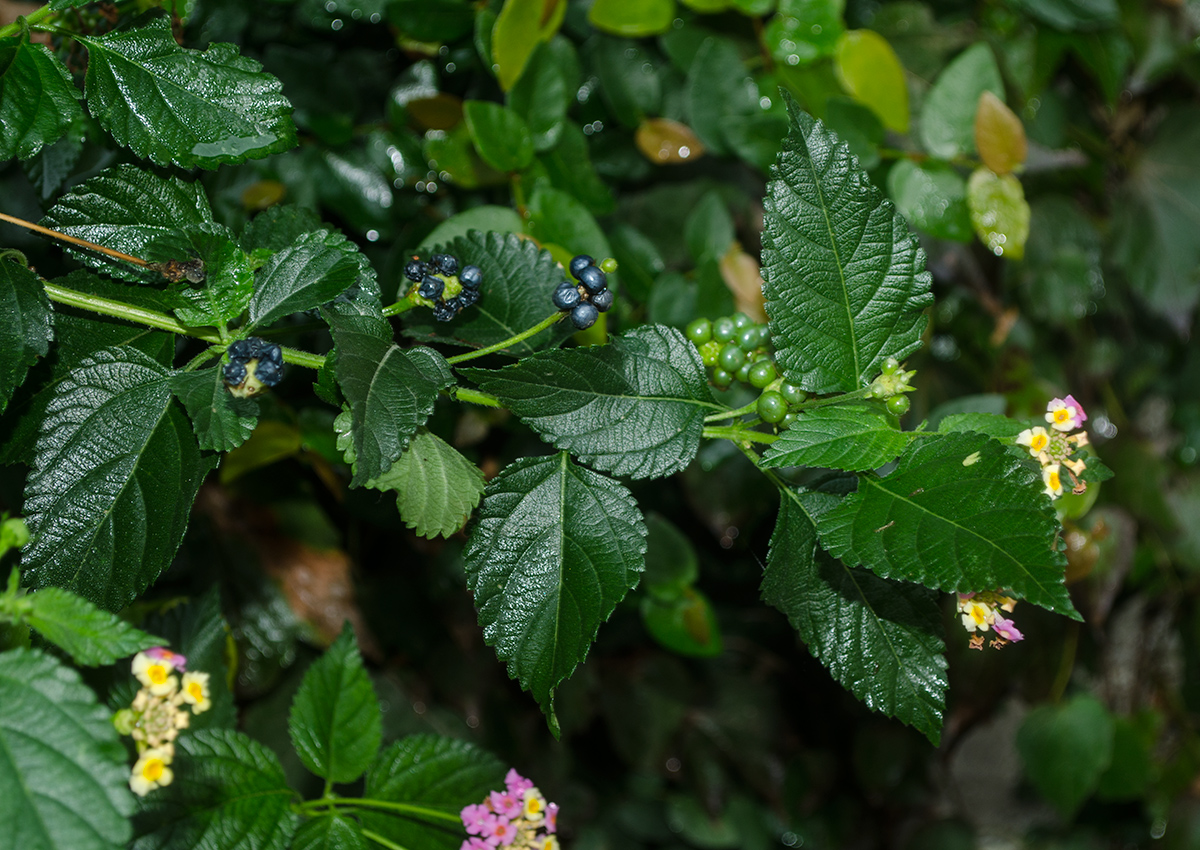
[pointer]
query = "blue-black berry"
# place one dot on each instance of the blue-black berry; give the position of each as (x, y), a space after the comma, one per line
(415, 270)
(235, 372)
(579, 263)
(444, 311)
(243, 349)
(469, 296)
(471, 277)
(431, 287)
(593, 279)
(603, 300)
(268, 373)
(445, 263)
(566, 296)
(584, 316)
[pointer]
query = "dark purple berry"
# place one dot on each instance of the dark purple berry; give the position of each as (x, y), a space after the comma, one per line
(446, 264)
(603, 300)
(235, 372)
(566, 296)
(444, 311)
(431, 287)
(579, 263)
(471, 277)
(241, 351)
(469, 296)
(593, 279)
(415, 271)
(268, 373)
(271, 353)
(584, 316)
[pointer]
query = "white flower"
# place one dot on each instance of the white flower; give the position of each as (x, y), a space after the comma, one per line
(151, 771)
(195, 691)
(155, 674)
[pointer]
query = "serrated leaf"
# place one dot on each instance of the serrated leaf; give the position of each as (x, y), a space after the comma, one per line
(555, 548)
(311, 271)
(845, 282)
(187, 107)
(53, 164)
(1066, 748)
(229, 793)
(948, 113)
(228, 280)
(999, 135)
(27, 328)
(854, 437)
(334, 723)
(115, 471)
(126, 208)
(391, 390)
(278, 227)
(38, 99)
(437, 774)
(329, 832)
(999, 212)
(959, 513)
(633, 407)
(89, 635)
(436, 487)
(221, 422)
(992, 424)
(63, 771)
(880, 639)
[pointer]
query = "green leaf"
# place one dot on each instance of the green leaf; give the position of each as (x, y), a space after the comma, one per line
(89, 635)
(685, 624)
(27, 329)
(709, 230)
(671, 563)
(569, 167)
(38, 99)
(1071, 15)
(334, 723)
(805, 30)
(329, 832)
(391, 390)
(436, 487)
(545, 92)
(630, 90)
(311, 271)
(186, 107)
(1062, 271)
(871, 73)
(632, 18)
(633, 407)
(556, 217)
(483, 218)
(948, 114)
(53, 164)
(63, 771)
(555, 548)
(431, 21)
(229, 793)
(719, 93)
(228, 280)
(845, 282)
(880, 639)
(221, 422)
(959, 513)
(991, 424)
(933, 197)
(434, 774)
(277, 228)
(853, 437)
(115, 471)
(999, 212)
(520, 27)
(499, 134)
(126, 209)
(859, 127)
(1066, 748)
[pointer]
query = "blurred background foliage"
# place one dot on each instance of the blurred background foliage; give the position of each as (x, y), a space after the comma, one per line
(645, 130)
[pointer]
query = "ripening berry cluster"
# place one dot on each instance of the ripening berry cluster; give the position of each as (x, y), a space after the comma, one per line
(586, 300)
(516, 818)
(254, 364)
(438, 283)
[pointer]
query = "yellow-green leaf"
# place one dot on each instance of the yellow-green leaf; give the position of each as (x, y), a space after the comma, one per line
(871, 73)
(633, 18)
(999, 135)
(999, 212)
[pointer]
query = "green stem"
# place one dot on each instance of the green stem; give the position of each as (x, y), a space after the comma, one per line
(380, 840)
(388, 806)
(732, 414)
(119, 310)
(814, 403)
(201, 358)
(474, 397)
(302, 358)
(512, 340)
(738, 434)
(401, 306)
(33, 18)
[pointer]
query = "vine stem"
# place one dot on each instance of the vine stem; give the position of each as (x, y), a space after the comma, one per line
(83, 243)
(33, 18)
(121, 310)
(738, 435)
(512, 340)
(302, 358)
(382, 805)
(381, 841)
(812, 404)
(475, 397)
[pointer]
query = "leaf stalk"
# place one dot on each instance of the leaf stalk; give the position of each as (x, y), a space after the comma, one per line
(512, 340)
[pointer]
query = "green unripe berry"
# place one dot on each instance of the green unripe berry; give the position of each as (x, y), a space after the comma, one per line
(772, 407)
(789, 420)
(608, 265)
(748, 339)
(724, 329)
(731, 358)
(741, 321)
(891, 366)
(721, 378)
(743, 372)
(793, 393)
(699, 331)
(897, 405)
(762, 373)
(709, 352)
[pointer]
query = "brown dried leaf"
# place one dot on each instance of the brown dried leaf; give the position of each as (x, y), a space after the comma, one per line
(999, 135)
(743, 276)
(668, 142)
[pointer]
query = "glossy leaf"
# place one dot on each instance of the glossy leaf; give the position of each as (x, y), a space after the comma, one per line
(880, 639)
(228, 281)
(569, 167)
(520, 27)
(227, 786)
(1066, 749)
(555, 548)
(38, 99)
(845, 281)
(436, 487)
(999, 135)
(959, 513)
(431, 21)
(871, 73)
(115, 471)
(64, 771)
(334, 723)
(53, 164)
(632, 18)
(500, 135)
(633, 407)
(556, 217)
(221, 422)
(90, 635)
(948, 114)
(628, 83)
(805, 31)
(27, 328)
(999, 212)
(853, 437)
(190, 108)
(933, 197)
(719, 92)
(329, 832)
(314, 269)
(545, 92)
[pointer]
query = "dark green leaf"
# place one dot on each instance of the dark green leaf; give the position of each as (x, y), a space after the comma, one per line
(63, 771)
(187, 107)
(555, 548)
(436, 487)
(434, 773)
(853, 437)
(329, 832)
(858, 127)
(228, 280)
(334, 723)
(880, 639)
(311, 271)
(633, 407)
(959, 513)
(933, 198)
(221, 422)
(546, 90)
(631, 90)
(709, 229)
(1066, 748)
(720, 93)
(685, 624)
(948, 115)
(845, 281)
(1072, 14)
(89, 635)
(432, 20)
(49, 169)
(556, 217)
(992, 424)
(805, 30)
(38, 99)
(229, 793)
(115, 471)
(278, 227)
(499, 134)
(671, 563)
(570, 168)
(1061, 274)
(27, 329)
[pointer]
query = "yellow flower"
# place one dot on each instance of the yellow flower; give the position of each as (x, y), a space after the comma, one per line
(535, 805)
(1052, 481)
(154, 674)
(195, 691)
(151, 771)
(1035, 439)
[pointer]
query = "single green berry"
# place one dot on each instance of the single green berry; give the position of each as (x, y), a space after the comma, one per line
(741, 321)
(762, 373)
(709, 352)
(732, 358)
(793, 393)
(772, 407)
(721, 378)
(724, 329)
(789, 420)
(898, 405)
(699, 331)
(747, 339)
(608, 265)
(891, 366)
(743, 372)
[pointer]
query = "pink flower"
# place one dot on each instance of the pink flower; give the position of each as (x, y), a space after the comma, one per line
(500, 832)
(506, 803)
(161, 653)
(1065, 414)
(475, 817)
(552, 818)
(1005, 629)
(516, 783)
(1071, 402)
(475, 844)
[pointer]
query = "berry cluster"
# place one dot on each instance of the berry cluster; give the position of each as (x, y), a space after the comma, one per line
(589, 298)
(891, 385)
(438, 283)
(517, 817)
(254, 364)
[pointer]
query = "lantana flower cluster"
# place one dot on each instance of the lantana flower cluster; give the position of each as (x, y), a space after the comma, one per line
(157, 714)
(517, 817)
(1054, 448)
(982, 612)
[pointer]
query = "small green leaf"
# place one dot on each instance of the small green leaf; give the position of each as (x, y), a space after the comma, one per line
(187, 107)
(880, 639)
(520, 27)
(431, 21)
(38, 99)
(948, 114)
(89, 635)
(228, 281)
(871, 73)
(226, 786)
(805, 30)
(555, 548)
(311, 271)
(633, 407)
(27, 328)
(329, 832)
(632, 18)
(999, 135)
(545, 92)
(853, 437)
(221, 422)
(933, 197)
(685, 625)
(999, 212)
(115, 471)
(436, 487)
(954, 526)
(334, 723)
(1071, 15)
(1066, 749)
(720, 92)
(556, 217)
(845, 284)
(64, 771)
(499, 134)
(628, 83)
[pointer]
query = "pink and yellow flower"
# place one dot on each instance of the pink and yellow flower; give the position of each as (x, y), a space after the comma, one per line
(155, 674)
(1065, 414)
